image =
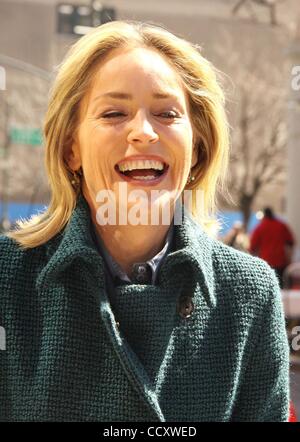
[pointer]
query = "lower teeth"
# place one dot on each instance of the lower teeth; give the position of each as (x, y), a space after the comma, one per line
(145, 178)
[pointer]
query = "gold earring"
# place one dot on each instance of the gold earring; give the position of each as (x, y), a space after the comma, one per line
(76, 180)
(191, 178)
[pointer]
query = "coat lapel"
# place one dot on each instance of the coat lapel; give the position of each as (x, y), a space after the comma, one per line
(193, 247)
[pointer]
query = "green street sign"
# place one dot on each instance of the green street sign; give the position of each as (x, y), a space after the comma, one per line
(29, 136)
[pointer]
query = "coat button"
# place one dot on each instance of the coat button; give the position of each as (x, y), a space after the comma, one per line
(185, 306)
(141, 273)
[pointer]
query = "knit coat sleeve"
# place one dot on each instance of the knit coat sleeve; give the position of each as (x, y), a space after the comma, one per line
(264, 390)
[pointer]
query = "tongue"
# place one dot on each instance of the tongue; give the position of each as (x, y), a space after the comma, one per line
(142, 172)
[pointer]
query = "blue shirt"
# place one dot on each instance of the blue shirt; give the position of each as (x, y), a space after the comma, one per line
(142, 272)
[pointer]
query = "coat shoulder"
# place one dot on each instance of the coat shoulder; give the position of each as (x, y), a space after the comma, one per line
(231, 265)
(236, 261)
(243, 275)
(10, 252)
(17, 264)
(238, 277)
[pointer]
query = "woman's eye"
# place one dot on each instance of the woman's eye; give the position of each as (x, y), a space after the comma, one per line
(170, 114)
(112, 114)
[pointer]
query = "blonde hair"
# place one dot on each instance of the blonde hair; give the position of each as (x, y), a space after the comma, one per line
(206, 103)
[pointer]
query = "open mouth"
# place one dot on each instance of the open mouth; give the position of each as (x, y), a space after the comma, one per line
(145, 171)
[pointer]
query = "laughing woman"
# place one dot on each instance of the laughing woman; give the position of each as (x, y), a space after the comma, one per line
(119, 320)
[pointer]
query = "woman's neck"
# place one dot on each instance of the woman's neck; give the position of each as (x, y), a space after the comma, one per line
(128, 244)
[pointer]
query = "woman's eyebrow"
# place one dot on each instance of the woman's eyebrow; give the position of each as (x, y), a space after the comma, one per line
(125, 96)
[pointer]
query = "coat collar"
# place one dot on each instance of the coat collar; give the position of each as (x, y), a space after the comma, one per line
(73, 242)
(192, 247)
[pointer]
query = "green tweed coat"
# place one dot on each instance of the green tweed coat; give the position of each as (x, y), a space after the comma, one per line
(68, 354)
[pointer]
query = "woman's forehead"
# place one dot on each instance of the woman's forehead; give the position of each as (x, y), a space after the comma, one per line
(133, 68)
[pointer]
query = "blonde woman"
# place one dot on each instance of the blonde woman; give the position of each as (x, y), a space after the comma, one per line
(126, 320)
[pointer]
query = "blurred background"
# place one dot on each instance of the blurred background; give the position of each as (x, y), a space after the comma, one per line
(255, 44)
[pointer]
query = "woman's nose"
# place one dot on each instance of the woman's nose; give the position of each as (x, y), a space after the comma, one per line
(141, 130)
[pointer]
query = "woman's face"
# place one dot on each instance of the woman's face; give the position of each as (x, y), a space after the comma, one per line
(135, 116)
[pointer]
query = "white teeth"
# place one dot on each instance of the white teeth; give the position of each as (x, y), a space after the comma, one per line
(141, 164)
(145, 178)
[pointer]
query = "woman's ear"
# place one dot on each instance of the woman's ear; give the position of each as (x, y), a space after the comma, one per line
(195, 155)
(72, 155)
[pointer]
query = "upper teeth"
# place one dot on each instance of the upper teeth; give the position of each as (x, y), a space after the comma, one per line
(141, 164)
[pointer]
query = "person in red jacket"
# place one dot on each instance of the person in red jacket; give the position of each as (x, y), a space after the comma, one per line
(273, 241)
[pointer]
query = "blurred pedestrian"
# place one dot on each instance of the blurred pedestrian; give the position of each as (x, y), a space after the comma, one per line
(273, 241)
(237, 237)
